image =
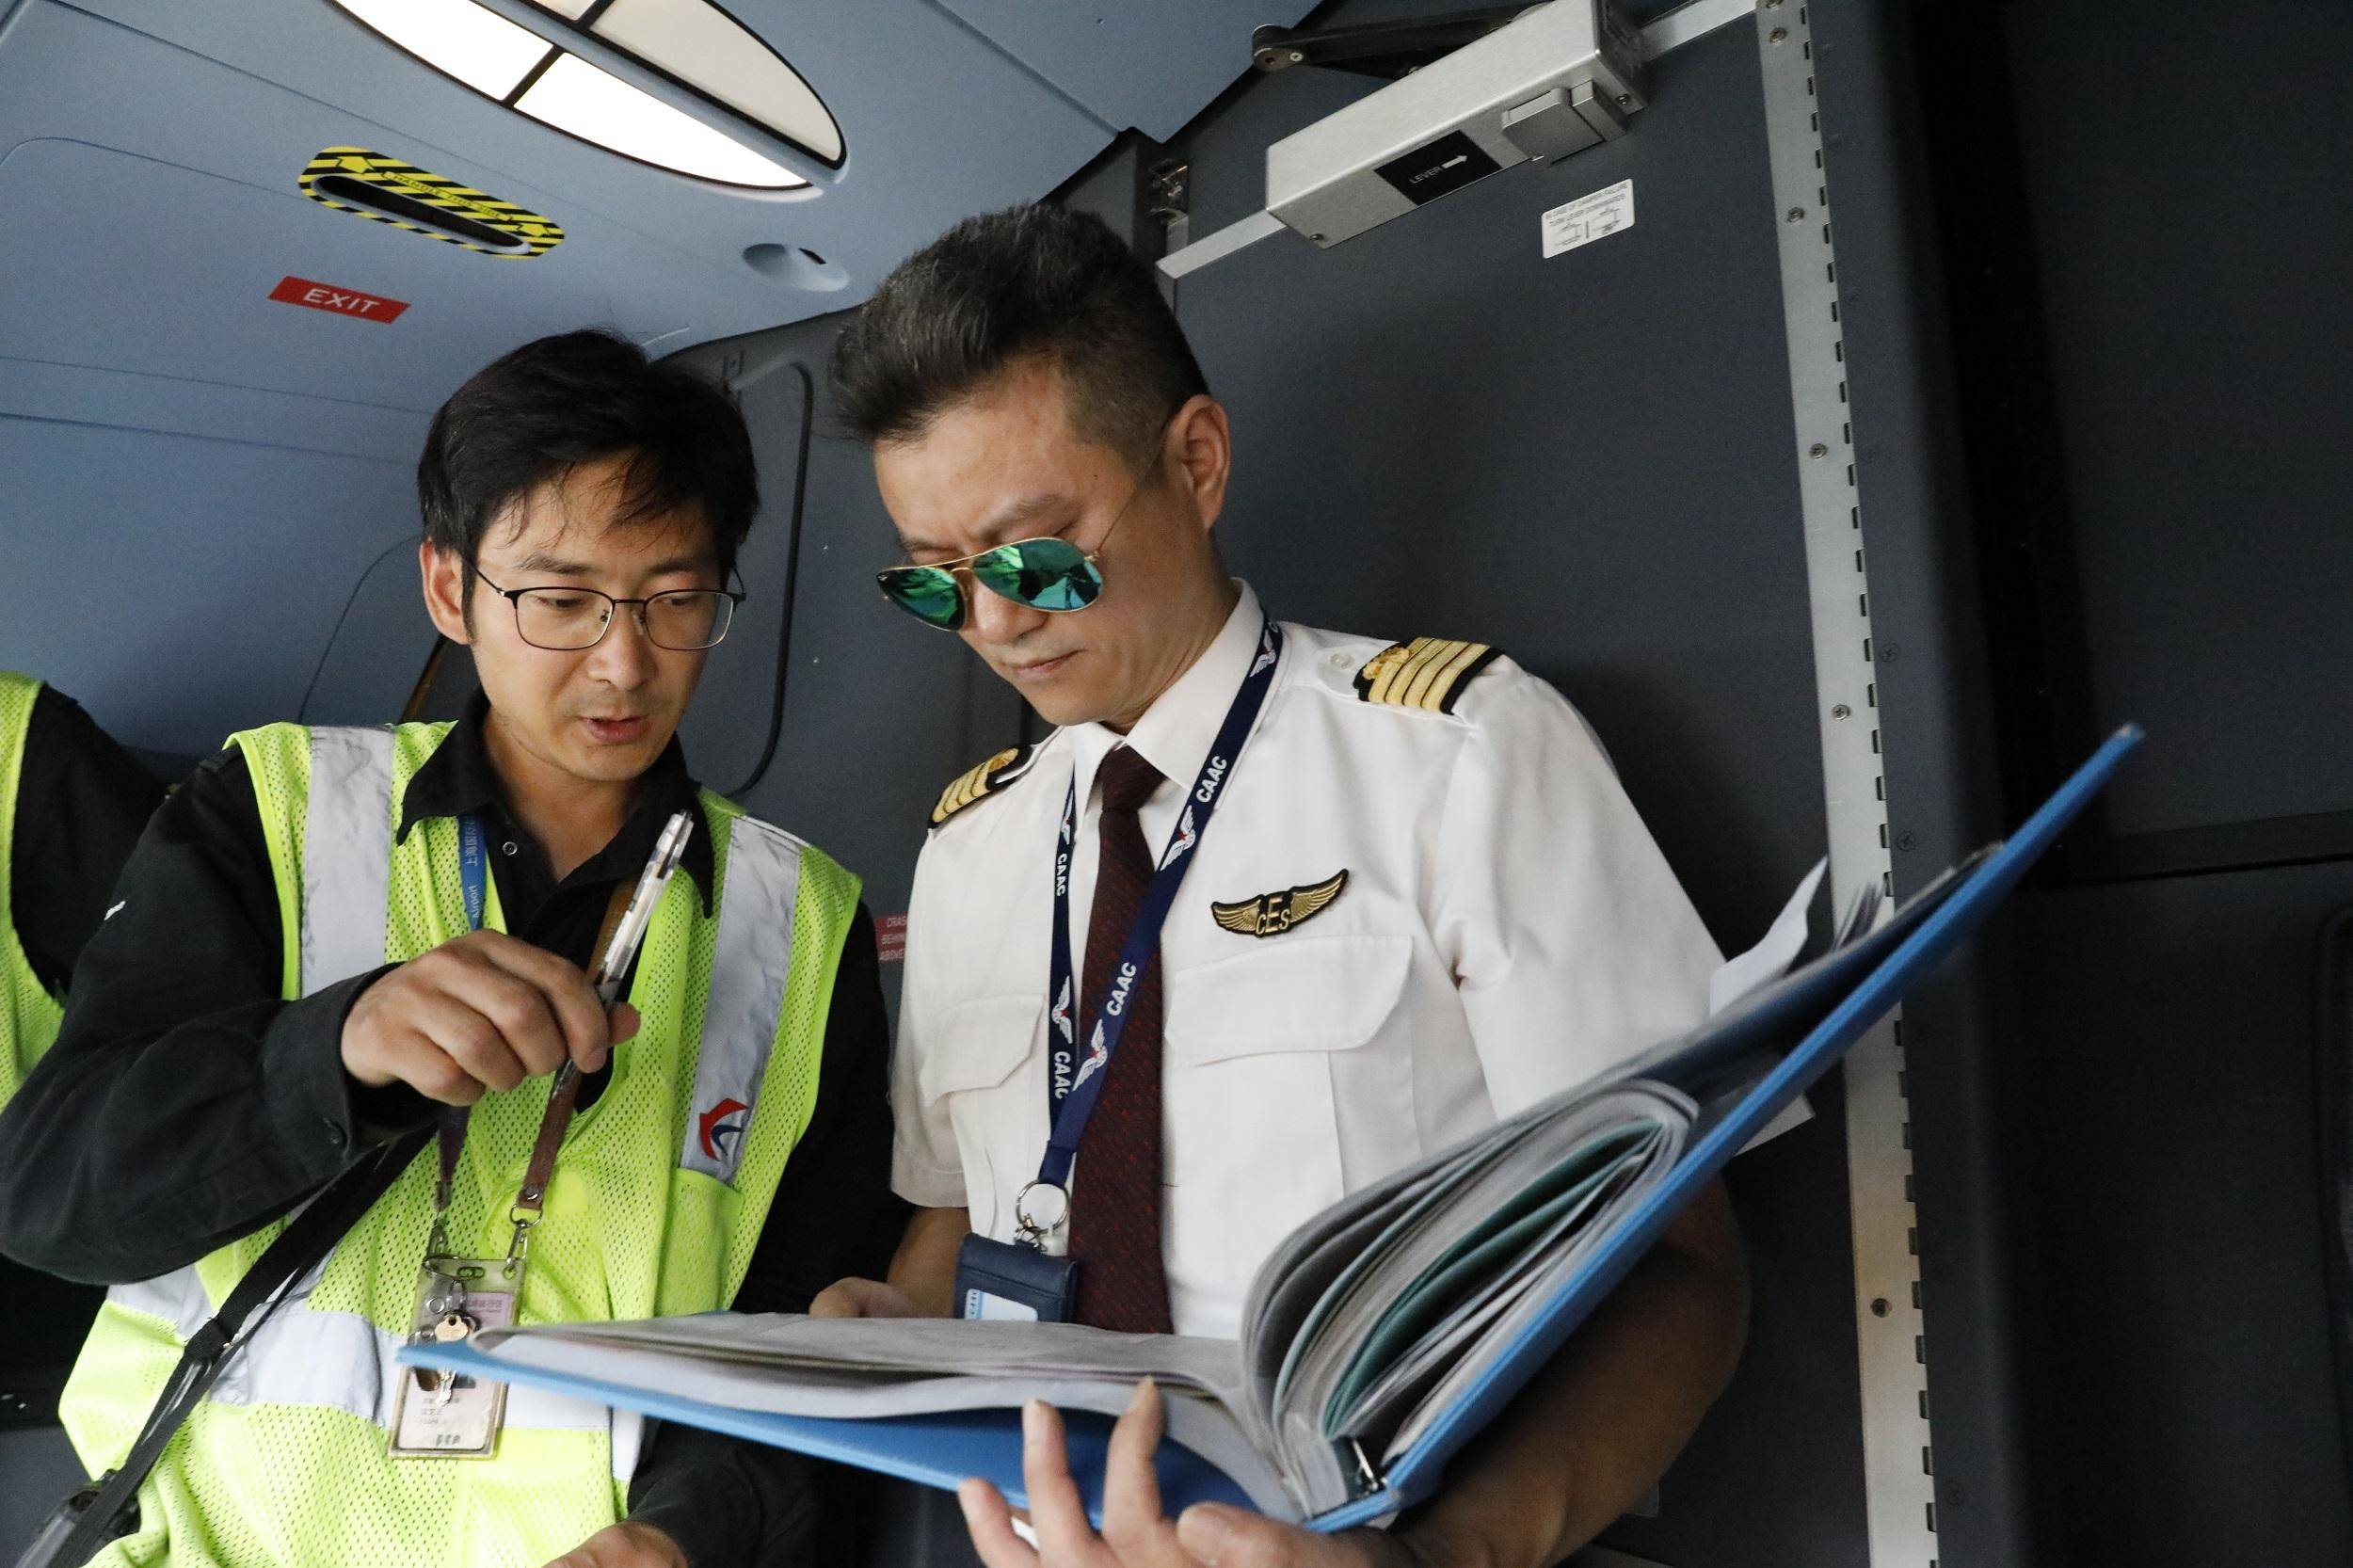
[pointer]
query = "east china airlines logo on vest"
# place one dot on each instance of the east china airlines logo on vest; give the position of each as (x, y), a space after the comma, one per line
(727, 1090)
(721, 1129)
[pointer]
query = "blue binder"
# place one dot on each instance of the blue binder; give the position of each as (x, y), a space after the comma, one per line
(943, 1449)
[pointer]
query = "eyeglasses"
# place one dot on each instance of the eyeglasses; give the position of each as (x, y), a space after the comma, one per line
(566, 620)
(1049, 574)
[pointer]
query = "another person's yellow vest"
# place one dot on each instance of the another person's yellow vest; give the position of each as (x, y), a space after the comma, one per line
(28, 1014)
(654, 1209)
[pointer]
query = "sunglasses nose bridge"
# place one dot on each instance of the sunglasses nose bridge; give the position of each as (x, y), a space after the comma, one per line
(995, 615)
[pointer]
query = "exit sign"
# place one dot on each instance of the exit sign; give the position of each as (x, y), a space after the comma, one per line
(340, 301)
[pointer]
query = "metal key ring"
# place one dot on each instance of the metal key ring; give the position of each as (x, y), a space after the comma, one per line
(1027, 1226)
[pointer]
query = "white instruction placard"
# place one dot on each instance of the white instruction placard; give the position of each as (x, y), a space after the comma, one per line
(1588, 218)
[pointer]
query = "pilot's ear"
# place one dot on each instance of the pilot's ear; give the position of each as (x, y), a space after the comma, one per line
(1199, 441)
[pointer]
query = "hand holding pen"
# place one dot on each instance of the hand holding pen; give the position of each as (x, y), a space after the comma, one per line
(487, 1011)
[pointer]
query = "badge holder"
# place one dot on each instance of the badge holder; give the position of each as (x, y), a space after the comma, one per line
(1017, 1280)
(449, 1414)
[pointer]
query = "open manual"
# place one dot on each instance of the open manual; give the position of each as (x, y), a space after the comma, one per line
(1384, 1334)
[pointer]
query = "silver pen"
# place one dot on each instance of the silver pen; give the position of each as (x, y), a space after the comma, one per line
(629, 934)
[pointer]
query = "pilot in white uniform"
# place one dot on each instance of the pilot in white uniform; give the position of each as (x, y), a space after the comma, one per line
(1330, 903)
(1478, 920)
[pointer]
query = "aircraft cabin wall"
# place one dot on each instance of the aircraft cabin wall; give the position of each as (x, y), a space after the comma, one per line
(1593, 460)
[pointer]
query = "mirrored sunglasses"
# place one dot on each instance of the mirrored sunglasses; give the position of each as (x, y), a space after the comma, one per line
(1046, 574)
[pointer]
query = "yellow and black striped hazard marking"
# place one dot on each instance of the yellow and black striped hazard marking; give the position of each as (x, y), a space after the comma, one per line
(983, 781)
(1428, 672)
(527, 233)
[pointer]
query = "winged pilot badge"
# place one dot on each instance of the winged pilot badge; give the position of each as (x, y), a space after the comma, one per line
(1272, 914)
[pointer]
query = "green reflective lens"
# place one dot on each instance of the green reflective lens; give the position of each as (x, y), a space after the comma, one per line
(1044, 574)
(928, 592)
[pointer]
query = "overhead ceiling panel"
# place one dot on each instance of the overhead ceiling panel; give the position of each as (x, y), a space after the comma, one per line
(128, 306)
(1150, 66)
(937, 123)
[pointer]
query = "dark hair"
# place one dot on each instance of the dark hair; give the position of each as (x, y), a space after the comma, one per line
(557, 402)
(1031, 280)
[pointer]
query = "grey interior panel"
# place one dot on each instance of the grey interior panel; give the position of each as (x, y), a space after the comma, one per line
(1090, 50)
(2182, 1382)
(37, 1469)
(135, 549)
(1587, 461)
(2192, 281)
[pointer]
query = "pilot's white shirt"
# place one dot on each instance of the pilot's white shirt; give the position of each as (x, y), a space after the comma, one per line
(1508, 930)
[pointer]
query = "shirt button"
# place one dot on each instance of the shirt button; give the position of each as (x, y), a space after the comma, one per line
(334, 1135)
(507, 848)
(1340, 660)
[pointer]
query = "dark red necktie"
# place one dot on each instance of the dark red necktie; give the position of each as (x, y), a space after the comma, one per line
(1115, 1200)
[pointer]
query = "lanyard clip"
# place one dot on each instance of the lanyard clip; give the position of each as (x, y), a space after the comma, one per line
(1032, 1228)
(524, 1217)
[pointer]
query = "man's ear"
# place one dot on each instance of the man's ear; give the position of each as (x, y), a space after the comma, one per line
(443, 574)
(1201, 444)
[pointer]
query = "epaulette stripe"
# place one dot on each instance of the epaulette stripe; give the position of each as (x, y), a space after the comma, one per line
(1409, 671)
(1419, 671)
(1427, 673)
(981, 781)
(1440, 673)
(1482, 656)
(1385, 684)
(1410, 686)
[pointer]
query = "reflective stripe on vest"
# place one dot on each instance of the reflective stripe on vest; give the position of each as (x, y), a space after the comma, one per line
(343, 1360)
(747, 994)
(346, 855)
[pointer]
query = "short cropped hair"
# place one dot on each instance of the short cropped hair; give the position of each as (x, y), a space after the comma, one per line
(559, 403)
(994, 289)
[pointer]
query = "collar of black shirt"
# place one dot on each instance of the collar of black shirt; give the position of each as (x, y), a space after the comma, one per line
(458, 779)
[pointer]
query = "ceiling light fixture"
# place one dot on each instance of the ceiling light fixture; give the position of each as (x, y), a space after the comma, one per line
(689, 43)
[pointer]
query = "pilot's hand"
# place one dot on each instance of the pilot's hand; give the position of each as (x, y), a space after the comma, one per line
(1136, 1533)
(863, 1297)
(482, 1013)
(627, 1545)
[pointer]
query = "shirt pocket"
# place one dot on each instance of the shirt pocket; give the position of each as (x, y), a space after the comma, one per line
(1255, 1048)
(979, 1071)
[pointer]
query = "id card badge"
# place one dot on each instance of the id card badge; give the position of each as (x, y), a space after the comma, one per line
(449, 1414)
(1006, 1280)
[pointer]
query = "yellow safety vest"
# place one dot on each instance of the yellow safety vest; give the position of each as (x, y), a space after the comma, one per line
(654, 1209)
(28, 1014)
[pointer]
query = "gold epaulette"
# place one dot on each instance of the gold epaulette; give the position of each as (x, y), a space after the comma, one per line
(1428, 672)
(983, 781)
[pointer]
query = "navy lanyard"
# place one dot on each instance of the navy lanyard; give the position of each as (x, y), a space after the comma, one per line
(1074, 1085)
(449, 1134)
(471, 874)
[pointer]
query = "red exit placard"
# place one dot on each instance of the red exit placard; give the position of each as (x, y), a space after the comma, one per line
(343, 302)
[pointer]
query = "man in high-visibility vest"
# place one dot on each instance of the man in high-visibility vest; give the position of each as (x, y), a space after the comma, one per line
(71, 803)
(329, 938)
